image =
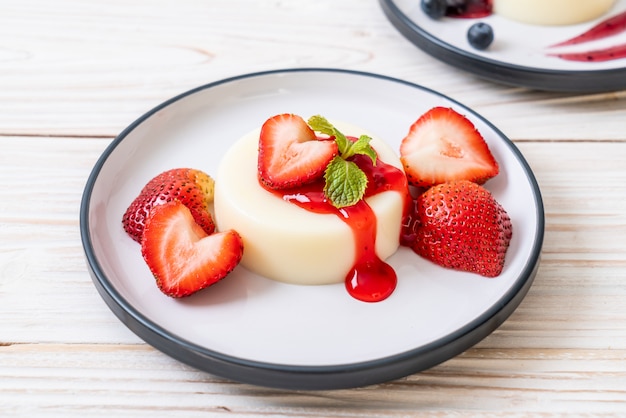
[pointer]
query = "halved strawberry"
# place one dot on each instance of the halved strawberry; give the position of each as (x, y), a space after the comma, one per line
(443, 145)
(290, 154)
(181, 256)
(459, 225)
(192, 187)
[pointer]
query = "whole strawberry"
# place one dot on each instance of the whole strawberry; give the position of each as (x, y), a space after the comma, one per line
(460, 225)
(191, 187)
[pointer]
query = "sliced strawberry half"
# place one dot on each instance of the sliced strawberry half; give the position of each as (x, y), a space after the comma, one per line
(443, 145)
(180, 254)
(290, 153)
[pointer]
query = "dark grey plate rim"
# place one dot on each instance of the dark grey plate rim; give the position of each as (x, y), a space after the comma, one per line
(307, 377)
(592, 81)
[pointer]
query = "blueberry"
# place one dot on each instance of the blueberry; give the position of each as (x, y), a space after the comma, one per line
(435, 9)
(480, 35)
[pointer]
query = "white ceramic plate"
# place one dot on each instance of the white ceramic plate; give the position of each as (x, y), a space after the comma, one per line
(252, 329)
(519, 53)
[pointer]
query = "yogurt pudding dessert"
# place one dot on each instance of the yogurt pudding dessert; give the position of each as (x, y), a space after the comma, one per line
(552, 12)
(322, 243)
(312, 203)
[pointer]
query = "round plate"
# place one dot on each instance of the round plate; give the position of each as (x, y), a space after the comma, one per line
(252, 329)
(519, 53)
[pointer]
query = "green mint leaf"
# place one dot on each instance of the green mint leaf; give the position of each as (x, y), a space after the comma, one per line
(320, 124)
(345, 182)
(361, 146)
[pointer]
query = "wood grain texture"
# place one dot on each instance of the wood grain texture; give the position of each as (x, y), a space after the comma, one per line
(73, 74)
(75, 67)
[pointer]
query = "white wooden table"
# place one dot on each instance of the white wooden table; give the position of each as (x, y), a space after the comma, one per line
(74, 73)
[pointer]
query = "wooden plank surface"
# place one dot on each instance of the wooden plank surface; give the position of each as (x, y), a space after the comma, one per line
(73, 74)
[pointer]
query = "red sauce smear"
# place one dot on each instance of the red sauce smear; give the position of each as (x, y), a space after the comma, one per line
(609, 27)
(370, 279)
(471, 9)
(597, 55)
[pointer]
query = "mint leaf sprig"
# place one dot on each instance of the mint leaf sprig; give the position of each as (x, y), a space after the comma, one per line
(345, 182)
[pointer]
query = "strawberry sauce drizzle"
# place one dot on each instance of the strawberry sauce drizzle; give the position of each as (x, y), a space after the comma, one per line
(370, 279)
(596, 55)
(605, 29)
(608, 27)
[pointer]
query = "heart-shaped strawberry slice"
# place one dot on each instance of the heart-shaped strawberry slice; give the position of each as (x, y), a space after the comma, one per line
(180, 254)
(291, 154)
